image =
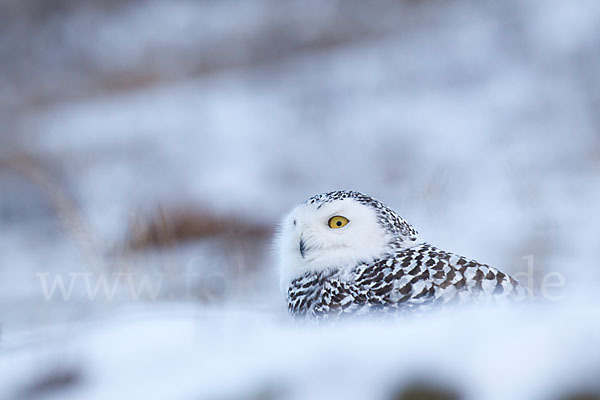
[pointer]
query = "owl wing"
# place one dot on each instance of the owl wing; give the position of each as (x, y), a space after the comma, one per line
(424, 276)
(418, 278)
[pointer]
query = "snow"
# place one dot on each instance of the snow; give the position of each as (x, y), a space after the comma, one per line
(526, 352)
(476, 122)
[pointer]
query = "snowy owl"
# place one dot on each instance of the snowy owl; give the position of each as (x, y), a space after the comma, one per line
(345, 253)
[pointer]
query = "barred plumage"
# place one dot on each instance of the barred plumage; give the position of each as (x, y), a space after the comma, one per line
(419, 277)
(351, 274)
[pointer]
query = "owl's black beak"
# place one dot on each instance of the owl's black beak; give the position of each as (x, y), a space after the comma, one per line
(302, 247)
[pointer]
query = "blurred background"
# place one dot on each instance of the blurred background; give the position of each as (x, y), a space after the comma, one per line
(157, 144)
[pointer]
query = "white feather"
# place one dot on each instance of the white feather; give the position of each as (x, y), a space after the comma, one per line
(361, 240)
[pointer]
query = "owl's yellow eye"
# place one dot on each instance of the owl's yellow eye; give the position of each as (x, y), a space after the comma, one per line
(337, 222)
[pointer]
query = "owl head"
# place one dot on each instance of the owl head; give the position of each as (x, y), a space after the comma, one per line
(338, 230)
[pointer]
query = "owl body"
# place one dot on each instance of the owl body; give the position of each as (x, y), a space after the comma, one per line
(419, 278)
(344, 253)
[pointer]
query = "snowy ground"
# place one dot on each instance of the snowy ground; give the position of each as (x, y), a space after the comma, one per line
(477, 122)
(190, 352)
